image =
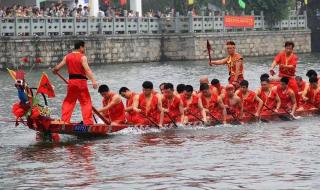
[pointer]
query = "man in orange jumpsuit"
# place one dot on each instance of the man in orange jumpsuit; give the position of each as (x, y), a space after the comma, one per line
(234, 63)
(287, 61)
(79, 70)
(113, 108)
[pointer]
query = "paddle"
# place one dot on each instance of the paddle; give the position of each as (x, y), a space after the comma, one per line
(149, 119)
(217, 120)
(209, 50)
(282, 117)
(254, 116)
(171, 119)
(236, 120)
(93, 108)
(194, 115)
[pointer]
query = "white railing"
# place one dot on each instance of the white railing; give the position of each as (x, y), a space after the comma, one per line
(63, 26)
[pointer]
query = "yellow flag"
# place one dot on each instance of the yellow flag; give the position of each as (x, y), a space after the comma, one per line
(190, 2)
(12, 74)
(306, 2)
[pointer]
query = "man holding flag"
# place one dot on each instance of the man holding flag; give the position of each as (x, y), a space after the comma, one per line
(79, 70)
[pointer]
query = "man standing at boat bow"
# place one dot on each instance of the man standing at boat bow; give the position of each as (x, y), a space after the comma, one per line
(79, 72)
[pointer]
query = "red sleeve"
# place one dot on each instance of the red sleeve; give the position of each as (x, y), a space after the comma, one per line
(277, 59)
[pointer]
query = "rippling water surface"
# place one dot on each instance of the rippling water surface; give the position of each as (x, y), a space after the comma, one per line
(277, 155)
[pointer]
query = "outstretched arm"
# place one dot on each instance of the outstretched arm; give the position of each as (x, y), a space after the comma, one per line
(218, 62)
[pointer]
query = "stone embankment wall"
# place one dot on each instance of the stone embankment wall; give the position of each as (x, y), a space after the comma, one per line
(49, 51)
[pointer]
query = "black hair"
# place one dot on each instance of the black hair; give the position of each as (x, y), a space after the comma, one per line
(162, 84)
(311, 73)
(204, 86)
(313, 79)
(265, 79)
(230, 43)
(284, 80)
(78, 44)
(188, 88)
(244, 83)
(264, 75)
(215, 81)
(289, 43)
(180, 88)
(123, 89)
(298, 78)
(168, 86)
(147, 85)
(103, 88)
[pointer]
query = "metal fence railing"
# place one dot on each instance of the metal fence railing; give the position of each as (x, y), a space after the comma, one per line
(63, 26)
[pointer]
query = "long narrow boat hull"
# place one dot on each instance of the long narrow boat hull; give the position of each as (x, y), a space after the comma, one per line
(78, 129)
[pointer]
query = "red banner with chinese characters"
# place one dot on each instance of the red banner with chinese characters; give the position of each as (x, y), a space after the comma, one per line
(239, 21)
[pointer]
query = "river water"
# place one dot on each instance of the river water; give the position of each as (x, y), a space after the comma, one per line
(277, 155)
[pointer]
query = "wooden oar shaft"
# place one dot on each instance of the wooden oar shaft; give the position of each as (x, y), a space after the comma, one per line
(93, 108)
(171, 119)
(149, 119)
(194, 115)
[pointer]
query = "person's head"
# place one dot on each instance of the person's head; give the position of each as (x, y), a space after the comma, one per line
(125, 92)
(264, 75)
(204, 80)
(230, 90)
(231, 47)
(215, 82)
(204, 88)
(299, 80)
(284, 82)
(313, 82)
(181, 88)
(147, 88)
(168, 90)
(311, 73)
(79, 46)
(265, 83)
(244, 85)
(188, 91)
(161, 87)
(289, 47)
(104, 90)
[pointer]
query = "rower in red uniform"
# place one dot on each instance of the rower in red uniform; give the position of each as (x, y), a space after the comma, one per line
(212, 103)
(129, 95)
(287, 61)
(148, 106)
(232, 102)
(313, 73)
(234, 63)
(269, 96)
(301, 87)
(113, 108)
(216, 87)
(311, 95)
(251, 103)
(192, 106)
(287, 96)
(79, 70)
(171, 105)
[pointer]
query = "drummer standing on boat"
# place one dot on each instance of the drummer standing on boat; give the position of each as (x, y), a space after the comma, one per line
(79, 72)
(287, 62)
(234, 63)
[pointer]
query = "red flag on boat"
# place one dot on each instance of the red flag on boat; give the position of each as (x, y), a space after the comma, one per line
(122, 2)
(45, 86)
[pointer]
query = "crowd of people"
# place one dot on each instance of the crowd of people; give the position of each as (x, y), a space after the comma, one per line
(62, 10)
(285, 93)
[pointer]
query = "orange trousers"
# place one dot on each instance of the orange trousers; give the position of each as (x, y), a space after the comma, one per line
(77, 90)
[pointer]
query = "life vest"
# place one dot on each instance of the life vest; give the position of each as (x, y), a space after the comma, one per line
(249, 104)
(268, 99)
(282, 59)
(153, 108)
(172, 106)
(231, 64)
(74, 65)
(284, 97)
(116, 112)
